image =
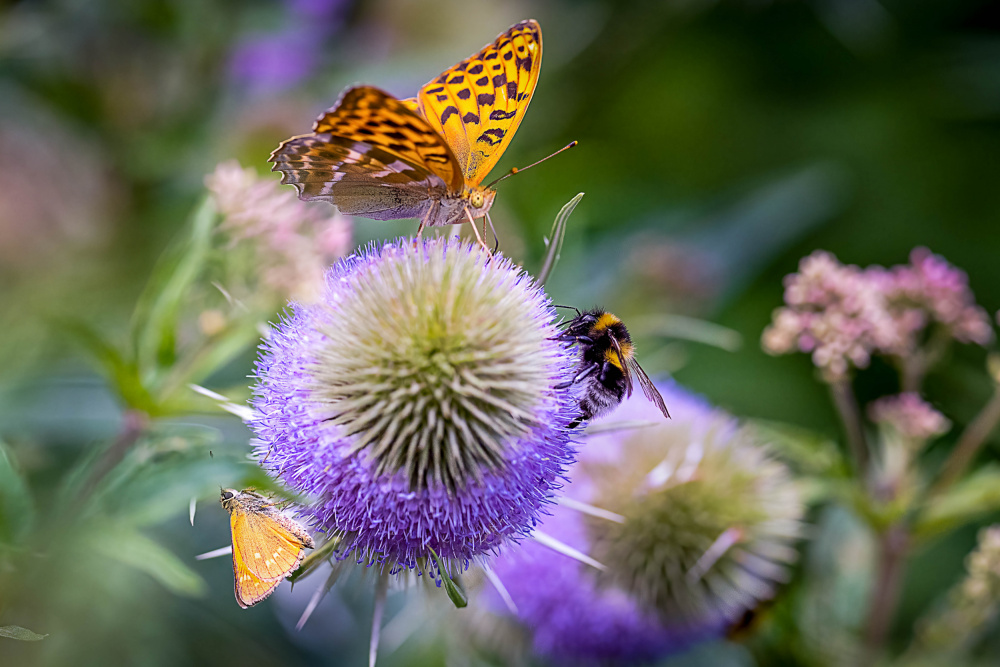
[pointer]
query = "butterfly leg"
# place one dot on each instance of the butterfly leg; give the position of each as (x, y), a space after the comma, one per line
(431, 212)
(475, 229)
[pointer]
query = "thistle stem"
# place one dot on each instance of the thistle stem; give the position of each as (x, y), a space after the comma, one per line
(381, 591)
(969, 443)
(850, 416)
(133, 426)
(893, 549)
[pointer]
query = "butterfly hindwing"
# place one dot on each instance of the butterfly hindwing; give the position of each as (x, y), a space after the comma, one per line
(370, 154)
(249, 588)
(478, 104)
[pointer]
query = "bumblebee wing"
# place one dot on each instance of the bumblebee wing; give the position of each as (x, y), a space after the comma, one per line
(248, 587)
(648, 388)
(625, 366)
(268, 549)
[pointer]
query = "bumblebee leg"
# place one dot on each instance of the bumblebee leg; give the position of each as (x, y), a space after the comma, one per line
(579, 376)
(604, 371)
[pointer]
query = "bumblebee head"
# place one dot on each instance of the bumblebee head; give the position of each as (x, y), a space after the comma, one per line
(598, 322)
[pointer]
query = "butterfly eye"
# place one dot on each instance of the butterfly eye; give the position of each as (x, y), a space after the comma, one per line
(477, 200)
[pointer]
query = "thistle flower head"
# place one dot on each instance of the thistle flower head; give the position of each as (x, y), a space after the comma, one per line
(910, 415)
(571, 616)
(710, 518)
(415, 403)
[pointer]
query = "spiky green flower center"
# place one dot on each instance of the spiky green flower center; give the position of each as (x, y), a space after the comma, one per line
(707, 523)
(435, 362)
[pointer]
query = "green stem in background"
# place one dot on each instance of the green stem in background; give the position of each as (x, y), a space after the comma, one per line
(969, 443)
(555, 240)
(893, 547)
(134, 424)
(850, 415)
(914, 367)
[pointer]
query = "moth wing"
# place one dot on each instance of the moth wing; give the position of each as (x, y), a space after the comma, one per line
(478, 104)
(648, 388)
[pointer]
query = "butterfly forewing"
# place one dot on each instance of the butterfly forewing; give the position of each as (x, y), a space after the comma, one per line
(478, 104)
(370, 153)
(268, 549)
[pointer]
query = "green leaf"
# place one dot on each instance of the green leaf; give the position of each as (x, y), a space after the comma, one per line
(17, 510)
(456, 593)
(154, 321)
(970, 499)
(17, 632)
(805, 450)
(555, 240)
(132, 548)
(120, 372)
(688, 328)
(218, 352)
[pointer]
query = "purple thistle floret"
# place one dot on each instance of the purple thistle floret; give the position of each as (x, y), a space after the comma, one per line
(363, 477)
(576, 620)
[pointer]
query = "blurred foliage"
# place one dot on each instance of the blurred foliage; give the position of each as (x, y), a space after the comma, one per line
(719, 142)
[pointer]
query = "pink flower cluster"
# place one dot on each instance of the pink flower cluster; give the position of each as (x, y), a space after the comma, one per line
(295, 242)
(930, 290)
(910, 415)
(842, 314)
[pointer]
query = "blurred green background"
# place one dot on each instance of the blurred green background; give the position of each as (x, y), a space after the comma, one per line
(720, 141)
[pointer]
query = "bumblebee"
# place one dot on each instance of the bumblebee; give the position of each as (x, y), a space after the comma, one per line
(607, 363)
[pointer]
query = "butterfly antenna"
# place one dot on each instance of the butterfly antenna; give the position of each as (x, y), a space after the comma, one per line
(515, 170)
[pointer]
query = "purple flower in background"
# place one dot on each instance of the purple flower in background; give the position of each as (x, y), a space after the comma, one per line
(415, 403)
(699, 526)
(269, 62)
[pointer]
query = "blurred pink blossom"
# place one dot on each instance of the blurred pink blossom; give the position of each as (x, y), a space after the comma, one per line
(909, 414)
(929, 290)
(294, 241)
(834, 312)
(842, 314)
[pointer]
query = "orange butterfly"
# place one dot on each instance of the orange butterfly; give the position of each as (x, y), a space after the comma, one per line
(267, 545)
(383, 158)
